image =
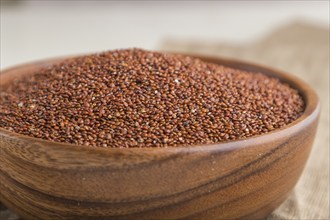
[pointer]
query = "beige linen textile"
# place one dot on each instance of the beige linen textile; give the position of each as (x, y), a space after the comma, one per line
(303, 50)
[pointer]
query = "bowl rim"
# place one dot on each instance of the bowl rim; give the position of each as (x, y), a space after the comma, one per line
(310, 113)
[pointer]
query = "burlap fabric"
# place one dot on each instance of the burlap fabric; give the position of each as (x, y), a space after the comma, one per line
(302, 50)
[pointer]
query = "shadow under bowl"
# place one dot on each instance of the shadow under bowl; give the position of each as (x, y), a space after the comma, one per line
(247, 178)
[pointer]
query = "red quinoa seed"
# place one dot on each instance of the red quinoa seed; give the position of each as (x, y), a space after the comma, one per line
(137, 98)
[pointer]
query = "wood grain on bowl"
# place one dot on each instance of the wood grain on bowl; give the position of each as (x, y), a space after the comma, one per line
(248, 178)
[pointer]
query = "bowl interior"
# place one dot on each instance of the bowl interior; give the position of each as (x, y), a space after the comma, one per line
(308, 94)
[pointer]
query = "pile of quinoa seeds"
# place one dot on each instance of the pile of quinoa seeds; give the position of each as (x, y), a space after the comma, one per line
(137, 98)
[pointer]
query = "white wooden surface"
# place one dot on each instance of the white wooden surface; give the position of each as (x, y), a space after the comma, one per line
(35, 29)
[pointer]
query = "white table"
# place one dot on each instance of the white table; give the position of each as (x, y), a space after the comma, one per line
(34, 30)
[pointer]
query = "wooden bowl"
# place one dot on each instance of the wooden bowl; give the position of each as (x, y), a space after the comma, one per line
(247, 178)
